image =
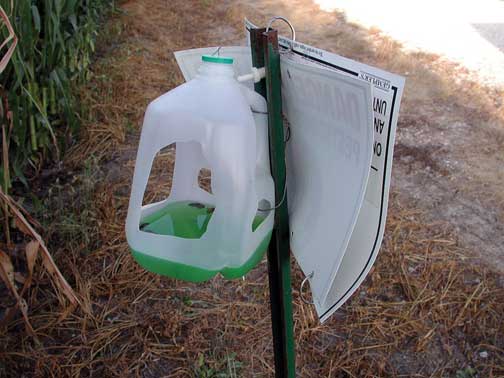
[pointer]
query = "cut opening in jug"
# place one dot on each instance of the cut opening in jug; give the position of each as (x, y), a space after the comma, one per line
(183, 219)
(182, 216)
(205, 180)
(160, 180)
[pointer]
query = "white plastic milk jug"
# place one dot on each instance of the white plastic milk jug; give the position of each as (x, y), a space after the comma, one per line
(218, 124)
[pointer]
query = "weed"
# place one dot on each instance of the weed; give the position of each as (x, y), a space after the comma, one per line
(227, 368)
(468, 372)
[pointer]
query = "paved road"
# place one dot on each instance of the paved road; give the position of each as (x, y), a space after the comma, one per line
(465, 31)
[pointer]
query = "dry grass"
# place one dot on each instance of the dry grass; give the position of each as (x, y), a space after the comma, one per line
(425, 311)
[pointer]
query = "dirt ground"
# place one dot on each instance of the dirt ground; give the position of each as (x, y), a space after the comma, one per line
(432, 307)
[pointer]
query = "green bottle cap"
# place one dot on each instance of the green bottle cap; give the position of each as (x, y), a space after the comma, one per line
(217, 59)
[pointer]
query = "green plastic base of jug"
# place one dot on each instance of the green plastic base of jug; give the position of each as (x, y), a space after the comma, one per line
(189, 220)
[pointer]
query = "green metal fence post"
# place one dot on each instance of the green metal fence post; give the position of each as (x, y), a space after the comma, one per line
(265, 53)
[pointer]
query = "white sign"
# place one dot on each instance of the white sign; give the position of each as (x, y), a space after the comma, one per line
(367, 234)
(328, 158)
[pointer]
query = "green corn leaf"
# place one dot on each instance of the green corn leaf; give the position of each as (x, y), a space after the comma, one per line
(36, 18)
(70, 6)
(59, 4)
(73, 21)
(17, 168)
(46, 122)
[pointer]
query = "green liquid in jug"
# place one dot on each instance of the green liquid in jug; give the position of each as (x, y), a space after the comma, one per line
(189, 220)
(184, 219)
